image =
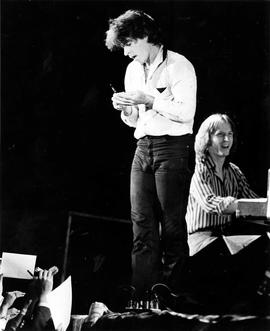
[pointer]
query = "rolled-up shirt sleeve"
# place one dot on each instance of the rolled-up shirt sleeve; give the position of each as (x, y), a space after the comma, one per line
(204, 195)
(132, 118)
(178, 101)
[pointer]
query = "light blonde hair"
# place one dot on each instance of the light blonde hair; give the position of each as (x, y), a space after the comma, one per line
(207, 128)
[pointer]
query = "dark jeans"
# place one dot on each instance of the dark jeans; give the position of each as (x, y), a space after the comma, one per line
(160, 179)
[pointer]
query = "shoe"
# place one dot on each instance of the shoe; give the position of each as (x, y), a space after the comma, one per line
(132, 302)
(146, 302)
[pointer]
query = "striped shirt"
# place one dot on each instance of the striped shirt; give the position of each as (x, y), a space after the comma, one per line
(209, 196)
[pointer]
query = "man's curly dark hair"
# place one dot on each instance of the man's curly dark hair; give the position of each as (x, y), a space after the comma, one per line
(132, 25)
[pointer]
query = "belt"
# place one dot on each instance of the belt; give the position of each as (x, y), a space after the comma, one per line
(184, 136)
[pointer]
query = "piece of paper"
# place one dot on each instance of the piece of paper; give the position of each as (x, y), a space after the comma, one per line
(237, 243)
(60, 301)
(255, 200)
(251, 207)
(16, 265)
(198, 242)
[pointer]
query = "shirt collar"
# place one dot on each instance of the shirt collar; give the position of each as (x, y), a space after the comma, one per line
(157, 61)
(210, 163)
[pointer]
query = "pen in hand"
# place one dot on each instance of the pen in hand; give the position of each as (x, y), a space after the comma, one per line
(30, 273)
(114, 90)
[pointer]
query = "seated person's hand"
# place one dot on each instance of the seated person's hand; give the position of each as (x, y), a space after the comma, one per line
(232, 207)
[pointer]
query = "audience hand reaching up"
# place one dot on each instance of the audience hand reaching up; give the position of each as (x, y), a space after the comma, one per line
(10, 297)
(17, 321)
(46, 282)
(29, 318)
(6, 312)
(8, 301)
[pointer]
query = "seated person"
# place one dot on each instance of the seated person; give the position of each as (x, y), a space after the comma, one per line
(216, 183)
(215, 188)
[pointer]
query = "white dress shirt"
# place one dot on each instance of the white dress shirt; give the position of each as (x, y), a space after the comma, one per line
(174, 108)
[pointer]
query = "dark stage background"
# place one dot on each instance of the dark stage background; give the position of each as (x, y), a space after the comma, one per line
(63, 145)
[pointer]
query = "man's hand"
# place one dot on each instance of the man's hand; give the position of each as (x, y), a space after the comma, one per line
(132, 98)
(118, 106)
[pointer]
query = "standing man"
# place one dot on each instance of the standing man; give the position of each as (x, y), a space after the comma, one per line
(159, 102)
